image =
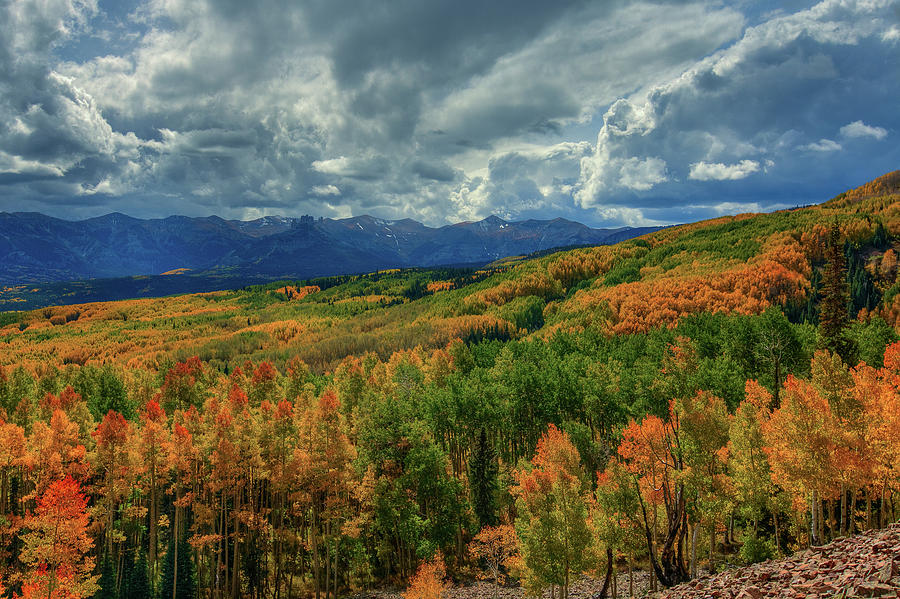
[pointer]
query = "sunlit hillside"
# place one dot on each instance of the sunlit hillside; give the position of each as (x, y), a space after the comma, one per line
(739, 264)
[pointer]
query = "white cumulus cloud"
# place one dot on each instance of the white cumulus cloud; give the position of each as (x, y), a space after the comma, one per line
(325, 190)
(823, 145)
(642, 175)
(860, 129)
(716, 171)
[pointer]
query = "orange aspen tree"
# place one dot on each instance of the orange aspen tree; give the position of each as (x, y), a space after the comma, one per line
(323, 467)
(494, 545)
(851, 466)
(56, 450)
(799, 446)
(878, 390)
(428, 581)
(653, 454)
(747, 460)
(57, 544)
(153, 438)
(555, 540)
(111, 436)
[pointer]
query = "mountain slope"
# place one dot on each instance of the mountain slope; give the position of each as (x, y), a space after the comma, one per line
(38, 248)
(734, 265)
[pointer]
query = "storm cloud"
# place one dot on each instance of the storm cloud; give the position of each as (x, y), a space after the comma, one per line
(606, 112)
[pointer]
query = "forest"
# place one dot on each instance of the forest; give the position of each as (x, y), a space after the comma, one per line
(708, 395)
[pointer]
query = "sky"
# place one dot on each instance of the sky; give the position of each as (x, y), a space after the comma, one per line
(606, 112)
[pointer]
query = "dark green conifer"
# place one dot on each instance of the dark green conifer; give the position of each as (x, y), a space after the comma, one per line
(483, 481)
(833, 308)
(183, 586)
(107, 581)
(136, 582)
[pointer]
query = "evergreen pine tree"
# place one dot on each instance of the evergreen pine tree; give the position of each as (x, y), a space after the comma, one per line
(107, 581)
(136, 584)
(139, 583)
(833, 313)
(125, 576)
(483, 481)
(183, 587)
(881, 239)
(863, 291)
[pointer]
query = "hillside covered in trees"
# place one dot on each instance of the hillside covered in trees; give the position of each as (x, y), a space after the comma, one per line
(725, 391)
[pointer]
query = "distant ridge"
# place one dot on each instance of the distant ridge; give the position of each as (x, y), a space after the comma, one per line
(35, 248)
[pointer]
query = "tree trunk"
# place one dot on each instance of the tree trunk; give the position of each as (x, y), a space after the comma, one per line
(154, 518)
(630, 578)
(315, 549)
(694, 534)
(820, 518)
(326, 549)
(293, 570)
(843, 508)
(175, 544)
(335, 568)
(712, 548)
(655, 569)
(235, 572)
(110, 506)
(669, 569)
(606, 579)
(120, 570)
(813, 521)
(777, 399)
(276, 547)
(868, 492)
(777, 534)
(223, 563)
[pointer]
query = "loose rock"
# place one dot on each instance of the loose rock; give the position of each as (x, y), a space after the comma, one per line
(866, 565)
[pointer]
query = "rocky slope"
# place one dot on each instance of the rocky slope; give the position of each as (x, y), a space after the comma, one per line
(866, 565)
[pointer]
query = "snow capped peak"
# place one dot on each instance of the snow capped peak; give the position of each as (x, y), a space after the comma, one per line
(492, 222)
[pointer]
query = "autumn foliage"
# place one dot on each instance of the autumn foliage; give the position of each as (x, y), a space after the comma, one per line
(429, 581)
(57, 545)
(658, 402)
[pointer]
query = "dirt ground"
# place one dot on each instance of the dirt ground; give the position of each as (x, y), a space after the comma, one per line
(583, 588)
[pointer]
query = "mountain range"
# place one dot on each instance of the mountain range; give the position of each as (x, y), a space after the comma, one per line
(35, 248)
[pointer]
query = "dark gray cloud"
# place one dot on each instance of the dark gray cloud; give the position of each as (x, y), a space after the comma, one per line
(764, 111)
(606, 112)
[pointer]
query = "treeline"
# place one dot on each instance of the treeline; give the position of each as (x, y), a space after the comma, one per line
(408, 283)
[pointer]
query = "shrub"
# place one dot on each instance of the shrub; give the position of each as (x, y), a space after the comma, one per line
(756, 550)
